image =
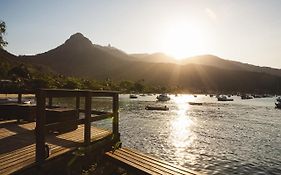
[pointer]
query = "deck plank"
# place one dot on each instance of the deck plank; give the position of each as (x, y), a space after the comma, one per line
(146, 164)
(17, 144)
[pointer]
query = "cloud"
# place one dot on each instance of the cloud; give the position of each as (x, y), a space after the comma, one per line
(211, 14)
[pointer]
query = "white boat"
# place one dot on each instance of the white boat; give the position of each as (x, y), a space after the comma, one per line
(278, 105)
(163, 97)
(224, 98)
(27, 102)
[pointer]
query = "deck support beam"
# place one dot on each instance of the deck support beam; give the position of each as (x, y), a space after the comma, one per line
(88, 112)
(40, 126)
(115, 110)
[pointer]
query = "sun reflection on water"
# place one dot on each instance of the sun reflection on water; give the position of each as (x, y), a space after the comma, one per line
(181, 135)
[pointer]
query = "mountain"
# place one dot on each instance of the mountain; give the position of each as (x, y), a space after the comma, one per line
(113, 51)
(211, 60)
(77, 56)
(154, 58)
(6, 57)
(207, 60)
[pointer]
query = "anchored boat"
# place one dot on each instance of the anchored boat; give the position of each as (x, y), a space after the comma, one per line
(224, 98)
(159, 108)
(163, 97)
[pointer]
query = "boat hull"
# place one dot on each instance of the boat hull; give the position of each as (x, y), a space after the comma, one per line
(158, 108)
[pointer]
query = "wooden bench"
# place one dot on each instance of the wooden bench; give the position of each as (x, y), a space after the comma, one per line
(60, 115)
(140, 163)
(26, 112)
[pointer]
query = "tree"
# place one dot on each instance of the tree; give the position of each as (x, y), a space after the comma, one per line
(20, 71)
(3, 43)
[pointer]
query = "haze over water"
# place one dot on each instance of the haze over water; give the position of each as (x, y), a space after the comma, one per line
(239, 137)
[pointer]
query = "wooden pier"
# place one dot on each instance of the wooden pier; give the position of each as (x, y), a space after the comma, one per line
(33, 147)
(47, 142)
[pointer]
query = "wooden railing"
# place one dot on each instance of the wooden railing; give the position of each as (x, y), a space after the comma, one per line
(18, 92)
(42, 127)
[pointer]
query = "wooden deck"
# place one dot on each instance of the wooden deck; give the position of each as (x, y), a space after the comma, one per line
(140, 163)
(18, 144)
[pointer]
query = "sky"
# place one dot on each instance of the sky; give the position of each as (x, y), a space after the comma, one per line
(248, 31)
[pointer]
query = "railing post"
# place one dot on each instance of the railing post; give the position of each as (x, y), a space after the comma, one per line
(78, 105)
(88, 111)
(40, 126)
(19, 98)
(115, 124)
(50, 102)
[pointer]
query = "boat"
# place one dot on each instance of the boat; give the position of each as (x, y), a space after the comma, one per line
(266, 95)
(278, 105)
(257, 96)
(224, 98)
(246, 97)
(211, 95)
(195, 103)
(159, 108)
(195, 96)
(163, 97)
(133, 96)
(27, 102)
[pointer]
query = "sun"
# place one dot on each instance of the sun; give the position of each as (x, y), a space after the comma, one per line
(183, 39)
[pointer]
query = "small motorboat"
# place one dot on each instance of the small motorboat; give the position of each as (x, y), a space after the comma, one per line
(246, 97)
(224, 98)
(163, 97)
(27, 102)
(195, 103)
(256, 96)
(278, 105)
(159, 108)
(133, 96)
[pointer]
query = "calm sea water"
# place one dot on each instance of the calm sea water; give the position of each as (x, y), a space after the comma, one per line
(239, 137)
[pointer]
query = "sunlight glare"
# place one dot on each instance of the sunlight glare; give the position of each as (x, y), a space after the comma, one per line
(184, 39)
(181, 134)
